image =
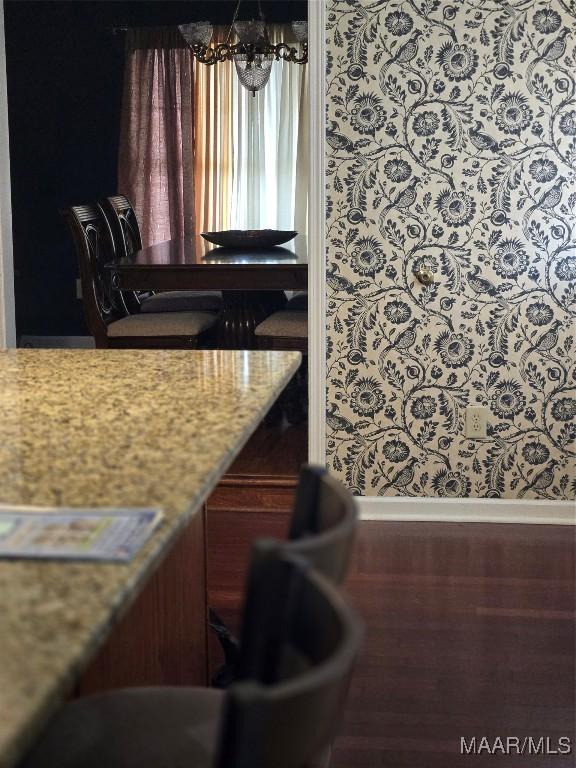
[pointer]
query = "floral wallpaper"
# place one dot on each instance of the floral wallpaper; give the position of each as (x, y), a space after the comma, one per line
(451, 147)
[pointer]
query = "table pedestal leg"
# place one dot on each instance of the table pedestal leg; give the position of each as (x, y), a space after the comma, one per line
(241, 313)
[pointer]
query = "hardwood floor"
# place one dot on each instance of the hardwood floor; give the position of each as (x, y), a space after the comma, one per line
(470, 632)
(470, 628)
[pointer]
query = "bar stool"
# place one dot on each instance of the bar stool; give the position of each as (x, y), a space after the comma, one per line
(322, 529)
(299, 643)
(323, 523)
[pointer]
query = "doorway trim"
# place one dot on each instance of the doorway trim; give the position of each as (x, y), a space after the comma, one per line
(7, 311)
(317, 235)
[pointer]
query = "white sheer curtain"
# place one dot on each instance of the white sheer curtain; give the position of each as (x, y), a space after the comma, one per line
(213, 142)
(219, 158)
(270, 155)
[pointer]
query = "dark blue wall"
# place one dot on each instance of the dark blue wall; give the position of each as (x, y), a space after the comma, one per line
(64, 72)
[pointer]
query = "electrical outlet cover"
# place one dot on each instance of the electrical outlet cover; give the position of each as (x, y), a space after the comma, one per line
(476, 421)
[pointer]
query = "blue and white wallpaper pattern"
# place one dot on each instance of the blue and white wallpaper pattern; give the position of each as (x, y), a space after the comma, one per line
(451, 145)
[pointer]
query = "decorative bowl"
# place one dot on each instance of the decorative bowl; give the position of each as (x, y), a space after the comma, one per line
(249, 239)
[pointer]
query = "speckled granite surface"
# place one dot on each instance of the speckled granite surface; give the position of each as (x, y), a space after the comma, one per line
(106, 428)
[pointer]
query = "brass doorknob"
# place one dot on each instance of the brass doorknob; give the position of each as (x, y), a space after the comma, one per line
(424, 275)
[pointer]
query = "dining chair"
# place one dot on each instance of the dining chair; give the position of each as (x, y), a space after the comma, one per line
(123, 223)
(322, 528)
(106, 311)
(298, 301)
(127, 239)
(288, 330)
(299, 644)
(284, 330)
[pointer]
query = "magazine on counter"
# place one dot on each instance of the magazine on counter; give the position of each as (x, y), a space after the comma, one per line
(69, 533)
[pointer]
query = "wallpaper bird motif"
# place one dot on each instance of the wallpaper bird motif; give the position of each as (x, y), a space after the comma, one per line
(451, 145)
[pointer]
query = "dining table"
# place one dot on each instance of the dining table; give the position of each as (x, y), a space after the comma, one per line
(252, 281)
(116, 429)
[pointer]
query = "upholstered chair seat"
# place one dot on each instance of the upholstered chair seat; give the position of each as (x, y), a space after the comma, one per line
(285, 330)
(285, 324)
(134, 728)
(162, 324)
(183, 301)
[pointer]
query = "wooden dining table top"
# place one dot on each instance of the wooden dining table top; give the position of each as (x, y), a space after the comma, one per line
(193, 263)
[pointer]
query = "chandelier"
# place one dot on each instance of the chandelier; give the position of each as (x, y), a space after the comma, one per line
(253, 54)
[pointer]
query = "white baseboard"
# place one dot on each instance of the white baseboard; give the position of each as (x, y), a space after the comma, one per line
(468, 510)
(56, 342)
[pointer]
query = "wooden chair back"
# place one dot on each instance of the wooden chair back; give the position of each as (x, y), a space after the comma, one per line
(299, 642)
(127, 239)
(95, 248)
(124, 225)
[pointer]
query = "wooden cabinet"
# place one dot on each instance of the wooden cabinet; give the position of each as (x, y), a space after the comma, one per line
(162, 638)
(241, 509)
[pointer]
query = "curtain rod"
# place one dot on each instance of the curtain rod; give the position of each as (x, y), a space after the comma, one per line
(122, 30)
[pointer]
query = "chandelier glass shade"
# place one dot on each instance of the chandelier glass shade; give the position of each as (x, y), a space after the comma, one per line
(300, 30)
(251, 32)
(198, 33)
(253, 54)
(253, 73)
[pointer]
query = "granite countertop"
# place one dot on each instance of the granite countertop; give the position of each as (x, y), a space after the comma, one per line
(106, 428)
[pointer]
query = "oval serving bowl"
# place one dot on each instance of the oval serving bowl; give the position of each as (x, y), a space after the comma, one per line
(249, 239)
